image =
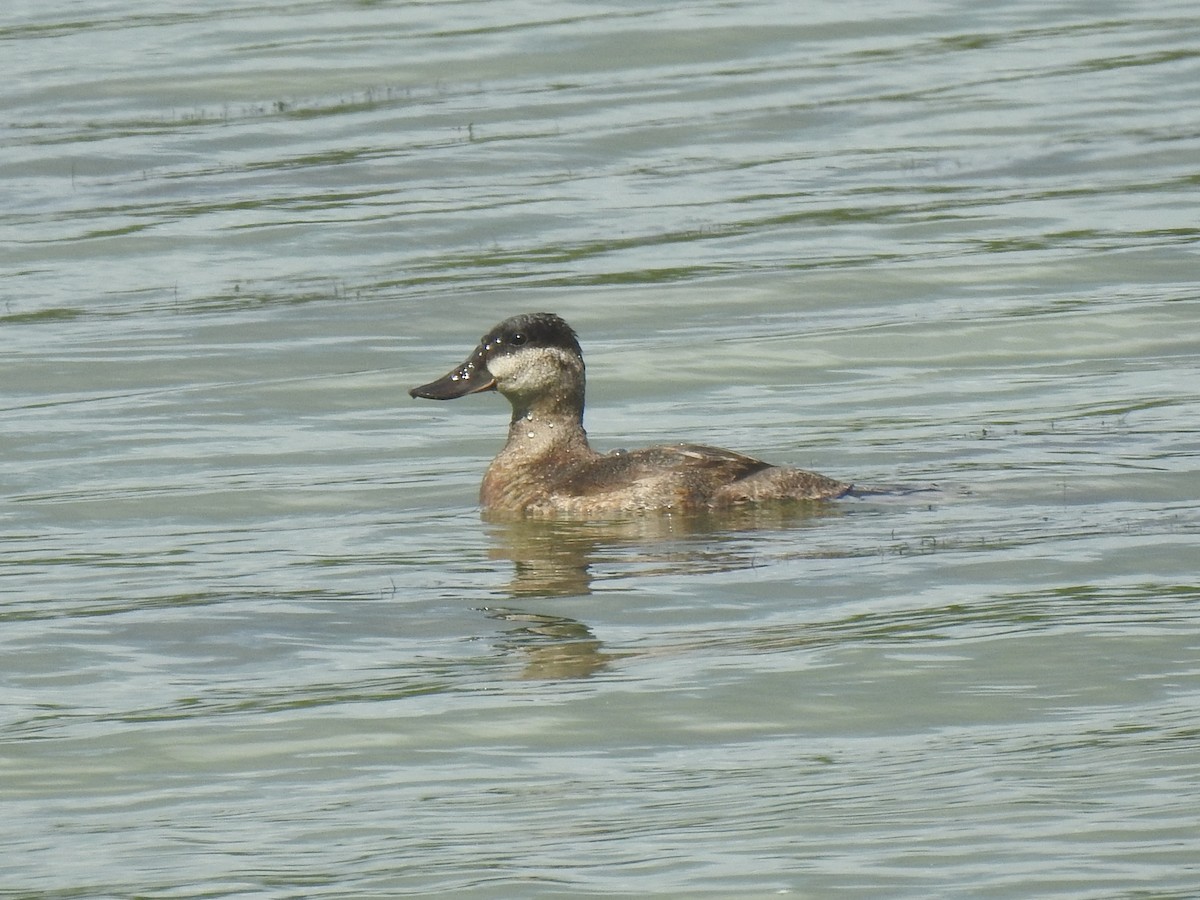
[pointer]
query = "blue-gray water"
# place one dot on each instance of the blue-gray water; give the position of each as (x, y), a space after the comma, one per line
(255, 639)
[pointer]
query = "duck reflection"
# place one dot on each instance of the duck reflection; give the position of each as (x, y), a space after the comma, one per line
(559, 558)
(564, 558)
(551, 647)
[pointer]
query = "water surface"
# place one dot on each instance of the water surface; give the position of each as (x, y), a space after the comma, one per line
(257, 640)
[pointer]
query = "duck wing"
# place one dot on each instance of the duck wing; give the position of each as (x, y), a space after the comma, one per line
(683, 476)
(744, 479)
(730, 464)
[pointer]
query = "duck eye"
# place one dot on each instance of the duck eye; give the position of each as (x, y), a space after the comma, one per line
(518, 339)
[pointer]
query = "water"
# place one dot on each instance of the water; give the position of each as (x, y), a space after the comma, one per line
(257, 640)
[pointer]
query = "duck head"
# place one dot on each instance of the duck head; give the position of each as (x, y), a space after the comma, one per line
(533, 359)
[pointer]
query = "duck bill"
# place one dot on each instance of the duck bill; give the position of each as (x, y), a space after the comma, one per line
(469, 378)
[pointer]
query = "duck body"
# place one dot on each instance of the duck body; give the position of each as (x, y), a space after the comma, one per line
(547, 466)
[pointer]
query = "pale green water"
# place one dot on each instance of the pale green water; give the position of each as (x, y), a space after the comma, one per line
(255, 639)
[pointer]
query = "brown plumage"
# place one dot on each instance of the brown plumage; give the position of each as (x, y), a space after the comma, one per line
(547, 466)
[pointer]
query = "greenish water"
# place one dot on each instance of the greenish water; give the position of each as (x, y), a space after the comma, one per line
(256, 640)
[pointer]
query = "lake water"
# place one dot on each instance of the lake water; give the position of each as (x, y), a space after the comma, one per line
(256, 639)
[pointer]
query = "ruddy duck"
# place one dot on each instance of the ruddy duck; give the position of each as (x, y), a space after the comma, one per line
(547, 466)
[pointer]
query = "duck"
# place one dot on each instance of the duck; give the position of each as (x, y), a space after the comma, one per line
(548, 468)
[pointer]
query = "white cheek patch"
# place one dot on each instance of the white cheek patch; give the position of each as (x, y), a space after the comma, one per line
(506, 369)
(532, 371)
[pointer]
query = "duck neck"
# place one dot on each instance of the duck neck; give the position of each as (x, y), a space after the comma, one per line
(550, 426)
